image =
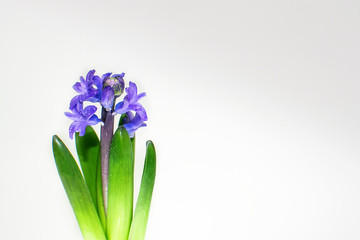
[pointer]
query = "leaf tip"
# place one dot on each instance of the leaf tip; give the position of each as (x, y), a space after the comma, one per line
(56, 140)
(149, 143)
(122, 131)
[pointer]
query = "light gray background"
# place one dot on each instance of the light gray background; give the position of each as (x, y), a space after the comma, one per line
(253, 106)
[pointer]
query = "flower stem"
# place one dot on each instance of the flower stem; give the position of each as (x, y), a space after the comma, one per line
(107, 131)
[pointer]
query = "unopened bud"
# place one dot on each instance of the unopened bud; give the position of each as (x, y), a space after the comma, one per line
(116, 83)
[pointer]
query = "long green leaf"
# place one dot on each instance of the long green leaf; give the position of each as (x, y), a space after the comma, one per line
(138, 226)
(99, 195)
(77, 192)
(121, 186)
(87, 148)
(122, 120)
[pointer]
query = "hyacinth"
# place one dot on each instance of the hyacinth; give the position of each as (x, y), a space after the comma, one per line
(105, 90)
(82, 118)
(100, 185)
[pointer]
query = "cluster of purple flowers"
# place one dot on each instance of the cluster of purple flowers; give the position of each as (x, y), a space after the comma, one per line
(105, 90)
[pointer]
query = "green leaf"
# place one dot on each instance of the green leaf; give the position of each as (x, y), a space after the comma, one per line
(87, 148)
(121, 186)
(99, 195)
(121, 120)
(138, 226)
(77, 192)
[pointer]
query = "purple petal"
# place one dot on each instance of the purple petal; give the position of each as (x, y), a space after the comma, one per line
(122, 107)
(131, 90)
(79, 87)
(139, 96)
(106, 75)
(142, 112)
(89, 110)
(76, 104)
(90, 75)
(133, 125)
(79, 106)
(121, 75)
(82, 128)
(74, 127)
(98, 82)
(71, 116)
(92, 96)
(93, 120)
(74, 101)
(75, 117)
(129, 117)
(107, 97)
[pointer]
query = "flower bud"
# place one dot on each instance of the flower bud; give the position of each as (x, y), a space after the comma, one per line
(117, 83)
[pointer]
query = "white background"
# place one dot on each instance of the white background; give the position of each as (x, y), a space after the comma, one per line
(253, 107)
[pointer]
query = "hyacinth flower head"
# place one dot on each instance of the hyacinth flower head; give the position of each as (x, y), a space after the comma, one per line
(105, 90)
(101, 195)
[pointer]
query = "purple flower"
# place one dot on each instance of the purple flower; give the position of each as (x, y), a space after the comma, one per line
(86, 89)
(131, 123)
(131, 102)
(82, 118)
(105, 90)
